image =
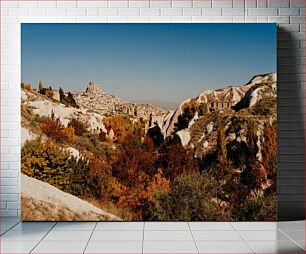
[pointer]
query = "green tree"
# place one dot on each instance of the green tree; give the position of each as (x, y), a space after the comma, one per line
(71, 101)
(62, 95)
(40, 86)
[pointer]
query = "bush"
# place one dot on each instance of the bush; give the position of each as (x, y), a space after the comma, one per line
(190, 199)
(265, 106)
(176, 160)
(67, 133)
(256, 209)
(79, 127)
(38, 120)
(54, 129)
(123, 126)
(104, 185)
(50, 163)
(47, 162)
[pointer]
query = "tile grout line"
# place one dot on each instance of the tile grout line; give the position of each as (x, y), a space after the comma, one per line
(291, 239)
(42, 238)
(244, 240)
(90, 237)
(10, 228)
(143, 232)
(193, 238)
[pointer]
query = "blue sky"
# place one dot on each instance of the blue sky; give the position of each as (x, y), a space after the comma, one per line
(166, 62)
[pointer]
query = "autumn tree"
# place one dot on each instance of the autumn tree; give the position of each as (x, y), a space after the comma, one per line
(269, 148)
(135, 169)
(176, 160)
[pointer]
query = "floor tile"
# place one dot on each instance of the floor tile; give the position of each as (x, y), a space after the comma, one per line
(216, 236)
(273, 235)
(253, 225)
(69, 236)
(5, 226)
(291, 225)
(60, 247)
(276, 247)
(63, 226)
(114, 247)
(222, 226)
(23, 236)
(224, 247)
(169, 247)
(297, 236)
(33, 226)
(167, 236)
(120, 226)
(101, 236)
(166, 225)
(17, 247)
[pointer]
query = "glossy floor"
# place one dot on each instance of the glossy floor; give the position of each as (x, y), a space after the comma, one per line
(152, 237)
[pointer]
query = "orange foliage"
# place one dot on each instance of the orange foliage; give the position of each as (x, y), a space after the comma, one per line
(52, 128)
(67, 133)
(141, 193)
(135, 168)
(106, 186)
(176, 160)
(122, 126)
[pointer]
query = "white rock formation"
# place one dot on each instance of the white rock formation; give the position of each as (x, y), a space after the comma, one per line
(54, 201)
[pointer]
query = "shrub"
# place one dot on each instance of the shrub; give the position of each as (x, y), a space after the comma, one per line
(265, 106)
(176, 160)
(123, 126)
(79, 127)
(52, 128)
(50, 163)
(37, 120)
(190, 199)
(254, 176)
(47, 162)
(256, 209)
(67, 133)
(104, 184)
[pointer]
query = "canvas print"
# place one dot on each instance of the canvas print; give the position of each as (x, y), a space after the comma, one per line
(148, 122)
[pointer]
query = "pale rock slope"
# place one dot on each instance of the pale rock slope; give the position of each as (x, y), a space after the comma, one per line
(49, 203)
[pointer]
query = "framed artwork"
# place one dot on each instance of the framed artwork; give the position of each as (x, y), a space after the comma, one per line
(148, 122)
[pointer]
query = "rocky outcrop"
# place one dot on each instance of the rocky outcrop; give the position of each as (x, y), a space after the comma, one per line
(93, 88)
(95, 99)
(225, 99)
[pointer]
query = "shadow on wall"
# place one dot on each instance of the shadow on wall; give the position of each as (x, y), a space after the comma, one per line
(290, 130)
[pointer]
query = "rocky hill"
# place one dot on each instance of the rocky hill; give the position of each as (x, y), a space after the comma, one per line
(228, 98)
(96, 99)
(234, 109)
